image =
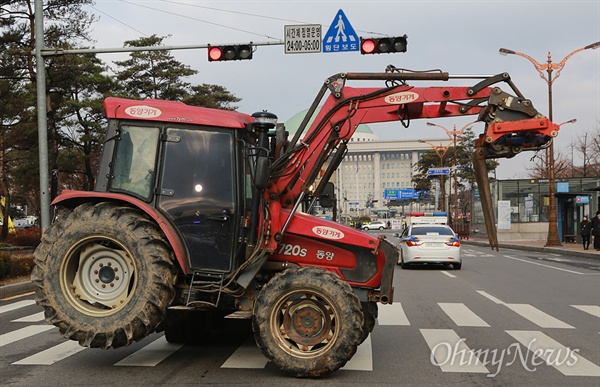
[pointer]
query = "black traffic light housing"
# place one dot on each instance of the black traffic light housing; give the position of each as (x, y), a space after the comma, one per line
(383, 45)
(229, 52)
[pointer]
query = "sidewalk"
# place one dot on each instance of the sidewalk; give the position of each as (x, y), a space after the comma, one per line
(568, 249)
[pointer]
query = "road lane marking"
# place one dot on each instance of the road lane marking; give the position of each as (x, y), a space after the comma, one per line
(448, 274)
(461, 315)
(53, 355)
(362, 359)
(538, 317)
(476, 254)
(594, 310)
(548, 266)
(37, 317)
(392, 314)
(247, 355)
(450, 353)
(490, 297)
(16, 305)
(23, 333)
(564, 359)
(151, 354)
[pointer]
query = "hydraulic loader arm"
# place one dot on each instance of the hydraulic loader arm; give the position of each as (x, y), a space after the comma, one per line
(512, 125)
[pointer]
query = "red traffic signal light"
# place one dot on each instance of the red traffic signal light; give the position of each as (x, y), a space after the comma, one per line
(230, 52)
(383, 45)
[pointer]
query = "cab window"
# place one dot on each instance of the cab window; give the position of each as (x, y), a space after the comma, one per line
(134, 162)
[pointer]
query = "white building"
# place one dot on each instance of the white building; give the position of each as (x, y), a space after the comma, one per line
(372, 166)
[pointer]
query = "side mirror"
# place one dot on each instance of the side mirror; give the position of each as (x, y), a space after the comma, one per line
(263, 169)
(327, 199)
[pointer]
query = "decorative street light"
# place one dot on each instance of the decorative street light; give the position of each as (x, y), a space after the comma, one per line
(454, 134)
(549, 67)
(441, 152)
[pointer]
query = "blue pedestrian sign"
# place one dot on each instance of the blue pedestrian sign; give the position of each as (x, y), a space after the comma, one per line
(341, 36)
(438, 171)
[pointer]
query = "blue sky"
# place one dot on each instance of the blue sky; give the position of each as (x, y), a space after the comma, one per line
(459, 37)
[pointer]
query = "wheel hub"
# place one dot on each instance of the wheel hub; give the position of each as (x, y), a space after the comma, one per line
(103, 276)
(307, 323)
(107, 274)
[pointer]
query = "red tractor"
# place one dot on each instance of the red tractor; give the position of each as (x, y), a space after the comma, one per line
(195, 217)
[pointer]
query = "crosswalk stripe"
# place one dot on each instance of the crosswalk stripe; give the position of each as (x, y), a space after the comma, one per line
(538, 317)
(461, 315)
(23, 333)
(16, 305)
(450, 353)
(562, 358)
(392, 314)
(37, 317)
(362, 359)
(594, 310)
(490, 297)
(248, 355)
(151, 354)
(53, 355)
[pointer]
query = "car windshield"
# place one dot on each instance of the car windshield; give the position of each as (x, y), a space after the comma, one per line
(431, 230)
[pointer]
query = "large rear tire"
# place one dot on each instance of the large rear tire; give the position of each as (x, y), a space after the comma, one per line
(307, 321)
(104, 275)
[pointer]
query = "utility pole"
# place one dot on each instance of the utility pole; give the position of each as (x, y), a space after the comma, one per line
(549, 67)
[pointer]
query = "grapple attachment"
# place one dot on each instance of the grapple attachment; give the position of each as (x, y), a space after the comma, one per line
(512, 125)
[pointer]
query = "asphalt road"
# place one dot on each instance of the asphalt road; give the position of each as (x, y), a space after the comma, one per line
(507, 318)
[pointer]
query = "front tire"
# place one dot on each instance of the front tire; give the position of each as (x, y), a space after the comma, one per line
(104, 275)
(370, 313)
(307, 321)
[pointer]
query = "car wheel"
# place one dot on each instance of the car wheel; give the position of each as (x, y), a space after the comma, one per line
(403, 264)
(381, 228)
(457, 265)
(366, 228)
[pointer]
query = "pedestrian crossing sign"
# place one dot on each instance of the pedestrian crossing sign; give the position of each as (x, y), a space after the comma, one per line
(340, 36)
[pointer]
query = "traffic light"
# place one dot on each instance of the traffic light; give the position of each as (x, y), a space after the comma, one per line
(383, 45)
(230, 52)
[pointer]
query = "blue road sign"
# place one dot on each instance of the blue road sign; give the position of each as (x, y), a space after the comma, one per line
(400, 194)
(438, 171)
(341, 36)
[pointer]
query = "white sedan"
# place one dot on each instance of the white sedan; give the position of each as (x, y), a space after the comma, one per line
(429, 244)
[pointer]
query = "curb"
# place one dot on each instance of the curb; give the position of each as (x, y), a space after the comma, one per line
(16, 289)
(553, 250)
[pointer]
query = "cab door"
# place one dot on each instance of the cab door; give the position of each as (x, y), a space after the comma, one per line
(198, 193)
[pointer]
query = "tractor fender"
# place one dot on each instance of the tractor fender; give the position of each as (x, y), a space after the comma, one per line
(72, 198)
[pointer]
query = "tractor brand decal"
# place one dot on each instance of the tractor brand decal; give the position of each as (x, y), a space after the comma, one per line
(326, 255)
(142, 111)
(292, 250)
(328, 232)
(402, 97)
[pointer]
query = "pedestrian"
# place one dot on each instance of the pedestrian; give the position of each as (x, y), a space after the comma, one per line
(596, 230)
(586, 230)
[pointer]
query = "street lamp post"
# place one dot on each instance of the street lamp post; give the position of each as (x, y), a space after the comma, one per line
(454, 134)
(549, 67)
(441, 152)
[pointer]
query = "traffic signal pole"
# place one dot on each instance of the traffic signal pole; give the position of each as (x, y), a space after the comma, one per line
(40, 79)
